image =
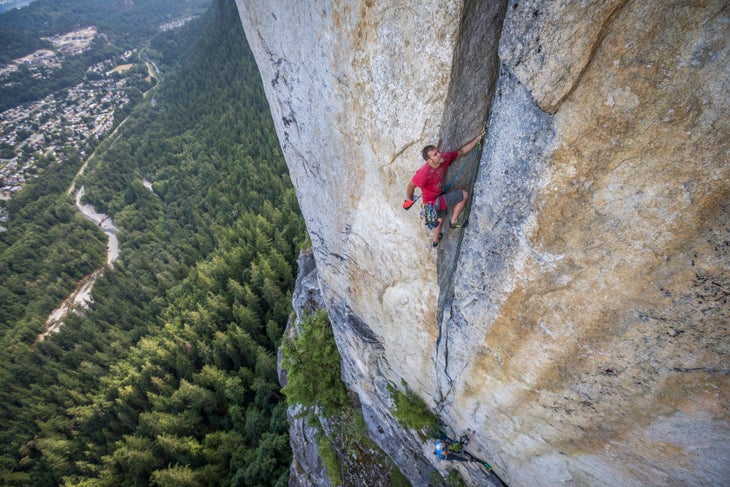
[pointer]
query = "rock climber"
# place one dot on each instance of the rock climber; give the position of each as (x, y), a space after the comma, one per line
(448, 450)
(455, 450)
(430, 178)
(443, 452)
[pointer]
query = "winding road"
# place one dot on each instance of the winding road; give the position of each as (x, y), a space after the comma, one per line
(81, 297)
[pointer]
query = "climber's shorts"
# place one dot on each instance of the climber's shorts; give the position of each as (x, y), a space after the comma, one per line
(448, 200)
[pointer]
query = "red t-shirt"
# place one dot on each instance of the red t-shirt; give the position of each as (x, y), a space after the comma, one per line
(431, 180)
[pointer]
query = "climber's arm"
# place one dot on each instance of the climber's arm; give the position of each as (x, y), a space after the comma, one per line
(409, 190)
(409, 195)
(466, 148)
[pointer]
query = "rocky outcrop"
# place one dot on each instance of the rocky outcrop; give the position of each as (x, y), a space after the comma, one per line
(579, 324)
(306, 468)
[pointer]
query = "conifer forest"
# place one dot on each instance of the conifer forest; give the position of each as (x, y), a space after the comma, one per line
(169, 376)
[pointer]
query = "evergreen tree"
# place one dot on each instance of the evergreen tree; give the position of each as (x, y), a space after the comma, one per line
(170, 375)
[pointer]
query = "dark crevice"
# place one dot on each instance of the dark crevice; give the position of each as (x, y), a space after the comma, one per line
(473, 79)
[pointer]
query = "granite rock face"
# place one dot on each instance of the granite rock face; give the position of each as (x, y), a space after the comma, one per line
(579, 324)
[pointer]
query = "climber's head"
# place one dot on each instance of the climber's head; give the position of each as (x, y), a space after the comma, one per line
(432, 155)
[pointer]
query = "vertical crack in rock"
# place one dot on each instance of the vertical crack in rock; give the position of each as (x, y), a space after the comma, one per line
(586, 338)
(549, 45)
(596, 44)
(473, 79)
(442, 353)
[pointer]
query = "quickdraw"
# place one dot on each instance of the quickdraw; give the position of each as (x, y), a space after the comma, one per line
(430, 215)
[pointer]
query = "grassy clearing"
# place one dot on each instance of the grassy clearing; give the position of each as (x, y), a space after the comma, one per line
(121, 68)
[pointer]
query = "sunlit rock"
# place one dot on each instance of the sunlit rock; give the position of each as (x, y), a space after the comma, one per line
(580, 328)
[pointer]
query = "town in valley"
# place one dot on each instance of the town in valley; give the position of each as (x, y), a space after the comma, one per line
(71, 121)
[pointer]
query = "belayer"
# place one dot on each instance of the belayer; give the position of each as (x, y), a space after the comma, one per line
(430, 179)
(446, 449)
(453, 450)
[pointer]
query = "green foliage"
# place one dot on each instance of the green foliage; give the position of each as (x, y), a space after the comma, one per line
(124, 25)
(312, 362)
(176, 476)
(411, 412)
(352, 430)
(47, 249)
(170, 376)
(397, 479)
(17, 43)
(329, 460)
(454, 479)
(349, 451)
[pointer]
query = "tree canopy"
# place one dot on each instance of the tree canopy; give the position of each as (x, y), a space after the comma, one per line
(170, 376)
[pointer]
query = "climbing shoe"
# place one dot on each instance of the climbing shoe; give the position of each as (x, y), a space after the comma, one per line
(436, 243)
(459, 225)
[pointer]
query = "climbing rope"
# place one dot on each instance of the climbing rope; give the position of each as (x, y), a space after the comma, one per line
(473, 157)
(447, 294)
(474, 152)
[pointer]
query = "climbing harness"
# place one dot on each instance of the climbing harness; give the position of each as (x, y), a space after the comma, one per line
(429, 211)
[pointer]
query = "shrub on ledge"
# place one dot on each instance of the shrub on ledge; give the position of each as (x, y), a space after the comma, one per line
(411, 412)
(312, 364)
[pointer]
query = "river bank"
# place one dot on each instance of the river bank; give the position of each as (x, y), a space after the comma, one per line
(105, 223)
(81, 297)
